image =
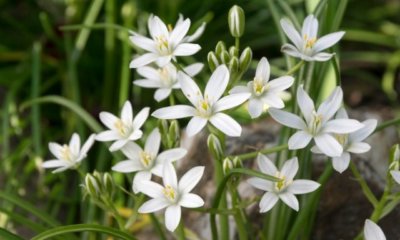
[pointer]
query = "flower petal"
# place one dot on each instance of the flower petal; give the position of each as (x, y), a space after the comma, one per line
(126, 112)
(131, 150)
(117, 145)
(268, 201)
(189, 88)
(231, 101)
(396, 176)
(310, 27)
(157, 27)
(199, 31)
(372, 231)
(217, 84)
(273, 100)
(143, 60)
(127, 166)
(148, 72)
(261, 184)
(305, 103)
(186, 49)
(151, 189)
(341, 163)
(169, 176)
(239, 89)
(75, 144)
(162, 94)
(153, 142)
(190, 179)
(141, 176)
(290, 200)
(342, 126)
(299, 140)
(143, 42)
(153, 205)
(109, 135)
(266, 165)
(226, 124)
(108, 120)
(290, 168)
(163, 61)
(302, 186)
(255, 107)
(280, 84)
(172, 217)
(363, 133)
(147, 83)
(291, 50)
(331, 105)
(54, 164)
(195, 125)
(179, 32)
(321, 57)
(358, 147)
(291, 32)
(287, 119)
(327, 41)
(141, 117)
(171, 155)
(174, 112)
(190, 200)
(263, 70)
(87, 145)
(328, 145)
(193, 69)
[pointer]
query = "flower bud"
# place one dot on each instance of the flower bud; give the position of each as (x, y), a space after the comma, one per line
(236, 21)
(245, 59)
(237, 162)
(214, 145)
(212, 61)
(108, 184)
(225, 57)
(174, 133)
(227, 165)
(92, 186)
(394, 158)
(233, 65)
(220, 48)
(233, 51)
(163, 127)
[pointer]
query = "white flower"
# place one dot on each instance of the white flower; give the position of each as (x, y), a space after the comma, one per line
(285, 189)
(307, 45)
(164, 78)
(317, 124)
(373, 231)
(196, 35)
(68, 156)
(148, 161)
(164, 44)
(208, 107)
(351, 143)
(122, 129)
(264, 92)
(173, 195)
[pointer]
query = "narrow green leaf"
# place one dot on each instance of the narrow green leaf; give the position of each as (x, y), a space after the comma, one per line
(4, 234)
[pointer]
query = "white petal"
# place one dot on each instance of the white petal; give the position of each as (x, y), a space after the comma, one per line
(62, 169)
(261, 184)
(108, 120)
(231, 101)
(131, 150)
(140, 177)
(56, 149)
(291, 50)
(88, 144)
(127, 166)
(172, 217)
(186, 49)
(147, 83)
(199, 31)
(193, 69)
(255, 107)
(342, 126)
(143, 42)
(191, 200)
(287, 119)
(195, 125)
(163, 61)
(268, 201)
(162, 94)
(363, 133)
(299, 140)
(179, 31)
(359, 147)
(54, 164)
(174, 112)
(266, 165)
(126, 112)
(151, 189)
(290, 200)
(310, 27)
(226, 124)
(280, 84)
(321, 57)
(171, 155)
(396, 176)
(117, 145)
(148, 72)
(305, 103)
(328, 145)
(153, 205)
(239, 89)
(331, 105)
(263, 70)
(291, 32)
(169, 176)
(153, 142)
(135, 135)
(302, 186)
(341, 163)
(189, 88)
(327, 41)
(157, 27)
(143, 60)
(341, 114)
(373, 231)
(217, 84)
(290, 168)
(140, 118)
(109, 135)
(75, 144)
(273, 100)
(315, 149)
(190, 179)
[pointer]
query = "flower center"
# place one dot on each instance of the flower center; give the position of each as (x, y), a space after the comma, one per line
(309, 41)
(66, 153)
(122, 128)
(204, 107)
(169, 193)
(259, 87)
(165, 76)
(282, 183)
(162, 45)
(342, 139)
(315, 124)
(146, 159)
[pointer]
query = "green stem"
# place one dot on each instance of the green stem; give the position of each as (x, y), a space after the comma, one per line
(238, 216)
(181, 231)
(158, 227)
(35, 92)
(237, 43)
(171, 99)
(295, 68)
(366, 190)
(387, 124)
(254, 154)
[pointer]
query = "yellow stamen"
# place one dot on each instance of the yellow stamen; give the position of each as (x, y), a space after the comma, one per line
(66, 153)
(170, 28)
(169, 192)
(146, 158)
(120, 126)
(341, 138)
(309, 41)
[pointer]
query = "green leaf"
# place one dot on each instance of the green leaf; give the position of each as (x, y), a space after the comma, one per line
(4, 234)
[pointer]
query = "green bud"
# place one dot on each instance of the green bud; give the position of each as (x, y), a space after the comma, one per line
(128, 11)
(225, 57)
(92, 186)
(108, 184)
(236, 21)
(214, 145)
(233, 51)
(233, 65)
(212, 61)
(220, 48)
(163, 127)
(237, 162)
(394, 158)
(227, 165)
(174, 133)
(245, 59)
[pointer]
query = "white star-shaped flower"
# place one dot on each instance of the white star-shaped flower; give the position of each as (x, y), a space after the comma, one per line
(147, 161)
(351, 143)
(173, 195)
(207, 107)
(68, 156)
(285, 189)
(164, 79)
(264, 92)
(164, 44)
(317, 125)
(124, 129)
(372, 231)
(307, 45)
